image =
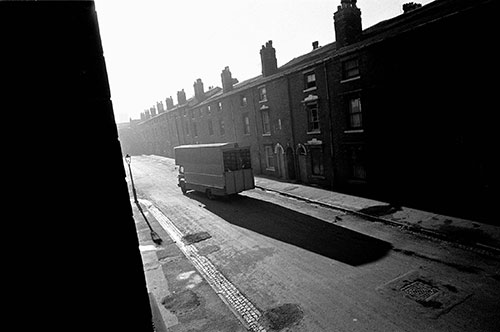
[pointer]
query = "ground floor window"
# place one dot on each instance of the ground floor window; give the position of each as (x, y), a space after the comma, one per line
(269, 157)
(356, 155)
(355, 115)
(317, 165)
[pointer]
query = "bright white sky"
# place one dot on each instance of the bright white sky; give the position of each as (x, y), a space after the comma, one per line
(154, 48)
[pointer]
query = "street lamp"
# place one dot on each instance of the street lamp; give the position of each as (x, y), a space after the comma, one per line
(155, 237)
(128, 159)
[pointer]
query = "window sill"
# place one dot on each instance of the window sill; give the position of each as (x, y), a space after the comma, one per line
(262, 101)
(266, 134)
(318, 177)
(357, 181)
(354, 131)
(314, 132)
(350, 79)
(314, 88)
(270, 169)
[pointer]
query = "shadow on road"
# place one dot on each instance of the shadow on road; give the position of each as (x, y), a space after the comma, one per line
(298, 229)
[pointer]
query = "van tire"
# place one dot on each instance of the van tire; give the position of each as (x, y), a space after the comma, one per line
(209, 194)
(183, 188)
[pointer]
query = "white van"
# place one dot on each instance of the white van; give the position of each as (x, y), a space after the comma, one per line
(216, 169)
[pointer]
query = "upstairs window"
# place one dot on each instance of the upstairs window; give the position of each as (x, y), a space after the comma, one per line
(312, 118)
(210, 127)
(195, 129)
(309, 80)
(221, 127)
(262, 94)
(266, 123)
(219, 106)
(186, 127)
(246, 125)
(350, 69)
(355, 115)
(243, 101)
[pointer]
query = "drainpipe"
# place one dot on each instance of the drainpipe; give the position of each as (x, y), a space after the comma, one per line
(292, 121)
(231, 108)
(330, 124)
(256, 108)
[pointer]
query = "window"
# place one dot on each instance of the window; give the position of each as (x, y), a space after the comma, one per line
(246, 125)
(262, 94)
(210, 127)
(195, 129)
(317, 167)
(357, 162)
(355, 116)
(312, 118)
(186, 127)
(266, 123)
(209, 109)
(219, 106)
(269, 157)
(236, 160)
(350, 69)
(309, 80)
(221, 127)
(243, 101)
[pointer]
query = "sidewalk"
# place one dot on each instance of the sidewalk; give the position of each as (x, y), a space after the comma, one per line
(180, 298)
(478, 236)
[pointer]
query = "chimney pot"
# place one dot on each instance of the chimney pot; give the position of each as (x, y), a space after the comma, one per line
(410, 6)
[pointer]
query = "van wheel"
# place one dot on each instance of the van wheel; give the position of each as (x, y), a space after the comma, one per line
(209, 194)
(183, 188)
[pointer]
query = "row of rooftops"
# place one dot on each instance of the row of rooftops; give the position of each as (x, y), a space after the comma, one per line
(414, 16)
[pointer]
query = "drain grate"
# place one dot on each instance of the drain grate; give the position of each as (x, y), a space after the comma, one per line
(420, 290)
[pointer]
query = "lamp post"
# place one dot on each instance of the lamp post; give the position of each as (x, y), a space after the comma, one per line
(128, 159)
(155, 237)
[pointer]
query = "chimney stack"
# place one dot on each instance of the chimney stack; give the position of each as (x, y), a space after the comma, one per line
(347, 21)
(227, 80)
(268, 59)
(160, 107)
(170, 103)
(181, 97)
(315, 45)
(199, 92)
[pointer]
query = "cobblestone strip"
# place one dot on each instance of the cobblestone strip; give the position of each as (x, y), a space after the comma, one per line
(236, 301)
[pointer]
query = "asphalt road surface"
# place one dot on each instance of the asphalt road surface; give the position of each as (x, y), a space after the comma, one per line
(309, 268)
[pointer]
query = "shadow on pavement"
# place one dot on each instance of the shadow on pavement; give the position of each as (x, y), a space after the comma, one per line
(298, 229)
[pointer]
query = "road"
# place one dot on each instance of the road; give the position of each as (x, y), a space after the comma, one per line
(309, 268)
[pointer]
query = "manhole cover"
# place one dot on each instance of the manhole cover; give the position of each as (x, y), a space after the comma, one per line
(420, 290)
(434, 297)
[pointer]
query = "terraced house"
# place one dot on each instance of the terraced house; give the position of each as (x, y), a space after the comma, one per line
(389, 111)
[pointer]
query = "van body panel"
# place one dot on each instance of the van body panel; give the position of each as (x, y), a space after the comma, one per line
(224, 168)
